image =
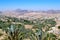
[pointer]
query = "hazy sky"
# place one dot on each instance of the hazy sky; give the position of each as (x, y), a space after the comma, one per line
(30, 4)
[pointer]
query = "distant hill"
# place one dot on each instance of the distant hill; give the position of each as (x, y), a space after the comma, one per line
(53, 11)
(0, 12)
(20, 12)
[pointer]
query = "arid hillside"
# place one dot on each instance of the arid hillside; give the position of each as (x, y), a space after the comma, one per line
(29, 14)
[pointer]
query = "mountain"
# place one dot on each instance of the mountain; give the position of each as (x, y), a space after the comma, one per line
(20, 12)
(53, 11)
(0, 12)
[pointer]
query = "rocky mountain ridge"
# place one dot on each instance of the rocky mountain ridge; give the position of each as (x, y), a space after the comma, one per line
(20, 13)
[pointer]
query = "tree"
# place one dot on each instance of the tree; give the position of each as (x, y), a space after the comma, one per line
(14, 30)
(29, 34)
(50, 36)
(43, 25)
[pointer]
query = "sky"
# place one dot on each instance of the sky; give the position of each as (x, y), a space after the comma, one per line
(30, 4)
